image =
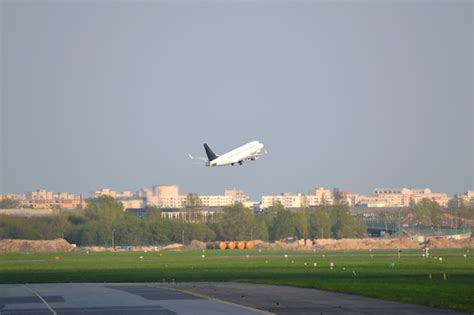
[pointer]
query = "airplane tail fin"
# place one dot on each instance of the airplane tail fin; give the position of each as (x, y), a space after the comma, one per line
(210, 155)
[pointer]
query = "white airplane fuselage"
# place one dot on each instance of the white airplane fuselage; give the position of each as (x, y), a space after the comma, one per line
(250, 151)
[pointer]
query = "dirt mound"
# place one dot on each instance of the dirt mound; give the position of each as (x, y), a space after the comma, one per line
(277, 245)
(197, 245)
(144, 249)
(450, 243)
(104, 249)
(22, 246)
(366, 243)
(174, 246)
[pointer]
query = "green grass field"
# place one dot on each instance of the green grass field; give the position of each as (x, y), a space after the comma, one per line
(384, 275)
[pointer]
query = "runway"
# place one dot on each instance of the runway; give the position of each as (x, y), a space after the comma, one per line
(285, 300)
(190, 298)
(109, 298)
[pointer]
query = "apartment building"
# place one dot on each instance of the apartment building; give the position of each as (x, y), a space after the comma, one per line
(10, 197)
(403, 197)
(132, 203)
(144, 193)
(168, 202)
(125, 194)
(320, 196)
(168, 196)
(462, 200)
(105, 192)
(216, 200)
(44, 199)
(40, 194)
(370, 202)
(322, 193)
(238, 195)
(287, 200)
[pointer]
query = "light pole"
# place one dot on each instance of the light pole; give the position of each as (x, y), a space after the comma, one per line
(113, 243)
(399, 222)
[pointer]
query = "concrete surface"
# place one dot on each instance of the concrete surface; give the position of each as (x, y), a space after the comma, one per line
(291, 300)
(98, 298)
(189, 298)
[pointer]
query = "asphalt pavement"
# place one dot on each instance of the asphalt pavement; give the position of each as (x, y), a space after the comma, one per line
(108, 298)
(190, 298)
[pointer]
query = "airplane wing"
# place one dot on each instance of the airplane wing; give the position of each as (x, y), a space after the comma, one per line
(256, 155)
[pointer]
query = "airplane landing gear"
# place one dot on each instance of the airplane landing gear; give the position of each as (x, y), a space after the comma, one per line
(240, 162)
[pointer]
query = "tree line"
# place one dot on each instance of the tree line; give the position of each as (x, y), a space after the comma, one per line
(103, 221)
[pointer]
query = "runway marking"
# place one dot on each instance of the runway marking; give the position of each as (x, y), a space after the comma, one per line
(247, 308)
(41, 298)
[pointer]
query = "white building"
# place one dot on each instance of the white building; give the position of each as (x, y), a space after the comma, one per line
(132, 203)
(287, 200)
(40, 194)
(105, 192)
(216, 200)
(238, 195)
(320, 196)
(401, 197)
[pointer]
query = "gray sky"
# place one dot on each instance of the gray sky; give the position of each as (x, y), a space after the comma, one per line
(352, 94)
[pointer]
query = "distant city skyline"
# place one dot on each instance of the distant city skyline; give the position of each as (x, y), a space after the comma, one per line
(171, 197)
(354, 95)
(93, 192)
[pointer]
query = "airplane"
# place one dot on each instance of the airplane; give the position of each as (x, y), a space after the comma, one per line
(251, 151)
